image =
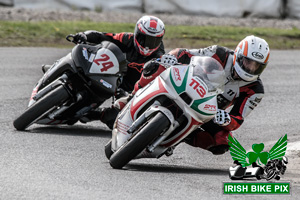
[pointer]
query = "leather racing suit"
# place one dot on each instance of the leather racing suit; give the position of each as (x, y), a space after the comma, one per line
(136, 61)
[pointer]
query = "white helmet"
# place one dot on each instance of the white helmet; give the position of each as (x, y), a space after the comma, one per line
(148, 34)
(251, 57)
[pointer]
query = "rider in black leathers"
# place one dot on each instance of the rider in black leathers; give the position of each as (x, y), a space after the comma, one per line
(141, 46)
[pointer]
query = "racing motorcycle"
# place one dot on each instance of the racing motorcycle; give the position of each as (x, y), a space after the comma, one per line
(74, 85)
(164, 112)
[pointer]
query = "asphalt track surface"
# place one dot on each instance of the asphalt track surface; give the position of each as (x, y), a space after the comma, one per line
(68, 162)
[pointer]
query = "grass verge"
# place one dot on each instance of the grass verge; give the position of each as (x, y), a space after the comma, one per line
(52, 34)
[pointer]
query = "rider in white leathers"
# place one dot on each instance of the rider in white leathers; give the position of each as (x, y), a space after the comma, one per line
(242, 93)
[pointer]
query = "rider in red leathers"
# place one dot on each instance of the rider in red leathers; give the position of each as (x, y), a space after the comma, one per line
(242, 92)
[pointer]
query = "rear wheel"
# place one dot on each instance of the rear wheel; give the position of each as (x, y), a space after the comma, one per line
(38, 109)
(140, 141)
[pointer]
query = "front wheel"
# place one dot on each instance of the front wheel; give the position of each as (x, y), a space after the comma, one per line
(39, 108)
(108, 151)
(140, 141)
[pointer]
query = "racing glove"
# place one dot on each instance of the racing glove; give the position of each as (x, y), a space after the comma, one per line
(80, 38)
(169, 59)
(222, 118)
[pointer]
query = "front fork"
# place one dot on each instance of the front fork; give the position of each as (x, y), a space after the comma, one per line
(37, 95)
(152, 110)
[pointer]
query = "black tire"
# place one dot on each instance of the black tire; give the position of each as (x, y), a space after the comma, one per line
(271, 174)
(39, 108)
(108, 151)
(139, 142)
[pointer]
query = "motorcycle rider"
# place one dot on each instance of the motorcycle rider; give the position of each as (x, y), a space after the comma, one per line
(242, 92)
(141, 46)
(275, 168)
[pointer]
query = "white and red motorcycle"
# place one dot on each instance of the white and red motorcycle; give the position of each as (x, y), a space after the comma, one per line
(166, 111)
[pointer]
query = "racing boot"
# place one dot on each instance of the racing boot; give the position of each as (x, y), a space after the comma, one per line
(108, 116)
(105, 115)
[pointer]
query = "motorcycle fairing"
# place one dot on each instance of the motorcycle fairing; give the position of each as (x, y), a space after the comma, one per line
(101, 64)
(143, 98)
(105, 62)
(175, 139)
(64, 64)
(105, 86)
(83, 56)
(171, 83)
(199, 97)
(103, 59)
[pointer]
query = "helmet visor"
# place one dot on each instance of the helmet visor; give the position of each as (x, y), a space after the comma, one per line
(251, 66)
(147, 40)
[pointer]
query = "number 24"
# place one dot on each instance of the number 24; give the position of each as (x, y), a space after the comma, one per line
(106, 65)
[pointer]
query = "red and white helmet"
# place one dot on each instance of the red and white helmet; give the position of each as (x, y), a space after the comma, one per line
(148, 34)
(251, 57)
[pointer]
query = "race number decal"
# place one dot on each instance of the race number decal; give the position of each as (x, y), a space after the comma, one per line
(105, 62)
(198, 88)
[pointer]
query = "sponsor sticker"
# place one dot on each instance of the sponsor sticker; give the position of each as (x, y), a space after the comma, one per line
(86, 56)
(257, 55)
(177, 74)
(106, 84)
(209, 107)
(84, 53)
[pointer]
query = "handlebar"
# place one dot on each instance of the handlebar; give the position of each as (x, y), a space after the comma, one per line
(72, 38)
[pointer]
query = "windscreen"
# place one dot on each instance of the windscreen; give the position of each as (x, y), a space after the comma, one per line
(210, 71)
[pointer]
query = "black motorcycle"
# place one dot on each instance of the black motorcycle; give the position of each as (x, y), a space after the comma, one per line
(74, 85)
